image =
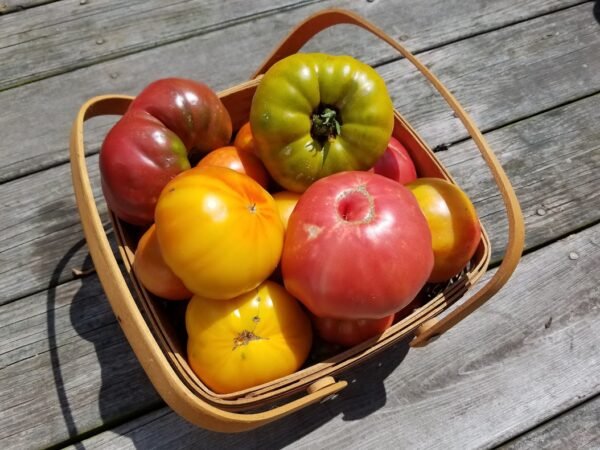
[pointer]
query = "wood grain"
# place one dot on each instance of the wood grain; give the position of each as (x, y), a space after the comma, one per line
(499, 373)
(578, 428)
(213, 59)
(103, 29)
(10, 6)
(65, 366)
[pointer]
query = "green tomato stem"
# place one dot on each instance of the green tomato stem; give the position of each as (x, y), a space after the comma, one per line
(326, 124)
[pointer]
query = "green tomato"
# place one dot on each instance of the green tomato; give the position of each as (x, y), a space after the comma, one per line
(314, 115)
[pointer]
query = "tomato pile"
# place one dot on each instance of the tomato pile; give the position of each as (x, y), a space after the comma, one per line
(309, 226)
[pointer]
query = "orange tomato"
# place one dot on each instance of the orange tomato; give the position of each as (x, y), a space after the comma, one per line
(239, 160)
(152, 271)
(244, 140)
(219, 231)
(452, 219)
(255, 338)
(286, 202)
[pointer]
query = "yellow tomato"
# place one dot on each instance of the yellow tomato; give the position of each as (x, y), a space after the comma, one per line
(452, 219)
(286, 202)
(219, 231)
(255, 338)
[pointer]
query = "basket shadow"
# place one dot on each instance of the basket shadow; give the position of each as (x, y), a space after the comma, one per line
(597, 11)
(126, 393)
(124, 387)
(364, 395)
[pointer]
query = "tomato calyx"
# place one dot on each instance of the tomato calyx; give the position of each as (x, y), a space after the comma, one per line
(244, 338)
(326, 124)
(355, 205)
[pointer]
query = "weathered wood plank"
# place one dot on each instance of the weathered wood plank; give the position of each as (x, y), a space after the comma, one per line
(578, 428)
(498, 373)
(9, 6)
(215, 59)
(65, 366)
(104, 29)
(553, 161)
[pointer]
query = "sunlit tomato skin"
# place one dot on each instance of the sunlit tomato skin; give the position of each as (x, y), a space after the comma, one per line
(454, 225)
(190, 109)
(286, 202)
(219, 231)
(253, 339)
(152, 271)
(314, 115)
(350, 332)
(239, 160)
(357, 246)
(396, 164)
(139, 156)
(244, 140)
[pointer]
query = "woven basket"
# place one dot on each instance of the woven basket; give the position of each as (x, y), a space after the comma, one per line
(149, 324)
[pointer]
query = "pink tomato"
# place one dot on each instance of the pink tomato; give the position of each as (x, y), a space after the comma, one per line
(357, 247)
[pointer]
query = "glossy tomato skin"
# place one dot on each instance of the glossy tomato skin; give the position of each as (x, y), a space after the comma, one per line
(357, 247)
(349, 333)
(139, 156)
(150, 144)
(396, 164)
(244, 140)
(239, 160)
(219, 231)
(454, 225)
(188, 108)
(258, 337)
(286, 202)
(152, 271)
(297, 150)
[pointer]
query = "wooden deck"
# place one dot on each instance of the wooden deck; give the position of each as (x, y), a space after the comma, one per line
(522, 372)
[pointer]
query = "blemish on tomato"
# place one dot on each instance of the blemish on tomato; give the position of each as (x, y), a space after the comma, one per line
(312, 230)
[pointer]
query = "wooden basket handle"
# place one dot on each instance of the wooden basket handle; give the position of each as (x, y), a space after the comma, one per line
(147, 350)
(516, 228)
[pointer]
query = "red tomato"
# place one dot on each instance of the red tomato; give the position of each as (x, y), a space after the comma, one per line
(350, 332)
(150, 144)
(453, 222)
(396, 163)
(238, 160)
(138, 158)
(357, 247)
(244, 140)
(189, 109)
(152, 271)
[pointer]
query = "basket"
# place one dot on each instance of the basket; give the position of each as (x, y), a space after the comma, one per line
(148, 324)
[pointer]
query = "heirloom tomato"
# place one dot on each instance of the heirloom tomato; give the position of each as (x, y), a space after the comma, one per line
(150, 144)
(238, 160)
(357, 246)
(396, 164)
(286, 202)
(189, 109)
(244, 139)
(314, 115)
(454, 225)
(350, 332)
(152, 271)
(257, 337)
(219, 231)
(138, 158)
